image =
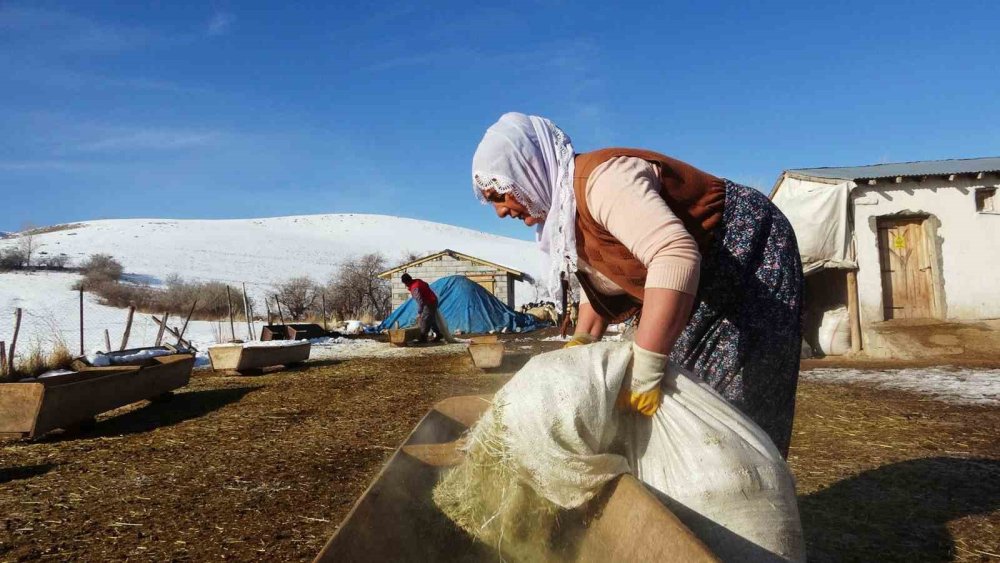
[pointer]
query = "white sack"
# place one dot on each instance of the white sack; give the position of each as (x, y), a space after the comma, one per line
(716, 469)
(834, 337)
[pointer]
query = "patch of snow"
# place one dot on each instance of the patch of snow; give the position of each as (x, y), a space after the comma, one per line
(967, 386)
(351, 348)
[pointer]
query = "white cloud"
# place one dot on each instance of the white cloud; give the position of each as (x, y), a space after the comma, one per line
(220, 23)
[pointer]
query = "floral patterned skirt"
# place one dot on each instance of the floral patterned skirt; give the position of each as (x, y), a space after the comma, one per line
(744, 335)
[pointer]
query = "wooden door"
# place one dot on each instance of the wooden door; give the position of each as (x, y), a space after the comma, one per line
(486, 281)
(906, 271)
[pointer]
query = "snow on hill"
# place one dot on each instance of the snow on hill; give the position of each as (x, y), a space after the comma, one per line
(265, 251)
(259, 252)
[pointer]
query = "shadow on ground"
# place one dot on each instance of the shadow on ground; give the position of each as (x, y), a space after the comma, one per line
(8, 474)
(899, 511)
(161, 414)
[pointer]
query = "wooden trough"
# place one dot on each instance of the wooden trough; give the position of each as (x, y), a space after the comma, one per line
(247, 357)
(403, 336)
(30, 409)
(487, 355)
(396, 519)
(299, 331)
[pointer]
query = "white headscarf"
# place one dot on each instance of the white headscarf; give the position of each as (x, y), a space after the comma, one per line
(532, 158)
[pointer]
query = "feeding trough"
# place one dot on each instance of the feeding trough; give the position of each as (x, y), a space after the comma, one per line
(402, 336)
(486, 355)
(251, 356)
(32, 408)
(299, 331)
(397, 520)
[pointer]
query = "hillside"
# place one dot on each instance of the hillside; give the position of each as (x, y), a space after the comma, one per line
(264, 251)
(259, 252)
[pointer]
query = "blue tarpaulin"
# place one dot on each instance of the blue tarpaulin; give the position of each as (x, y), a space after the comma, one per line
(467, 307)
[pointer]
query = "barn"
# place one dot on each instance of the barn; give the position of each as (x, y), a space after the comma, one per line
(498, 280)
(910, 240)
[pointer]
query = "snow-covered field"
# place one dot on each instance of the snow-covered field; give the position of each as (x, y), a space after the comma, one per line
(258, 252)
(967, 386)
(262, 252)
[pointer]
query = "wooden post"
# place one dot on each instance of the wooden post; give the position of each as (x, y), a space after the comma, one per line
(232, 327)
(853, 314)
(13, 341)
(324, 311)
(128, 326)
(174, 332)
(184, 329)
(163, 325)
(246, 312)
(81, 322)
(277, 304)
(107, 340)
(253, 324)
(3, 358)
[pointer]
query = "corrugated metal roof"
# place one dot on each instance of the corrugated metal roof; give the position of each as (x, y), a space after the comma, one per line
(919, 168)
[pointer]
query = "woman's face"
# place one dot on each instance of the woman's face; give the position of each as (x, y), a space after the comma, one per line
(506, 205)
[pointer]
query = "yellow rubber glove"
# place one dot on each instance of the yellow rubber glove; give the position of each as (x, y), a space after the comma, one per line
(581, 339)
(641, 390)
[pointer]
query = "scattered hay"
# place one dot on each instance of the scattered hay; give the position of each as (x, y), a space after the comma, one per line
(485, 496)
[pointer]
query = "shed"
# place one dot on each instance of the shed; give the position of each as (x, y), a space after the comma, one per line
(908, 240)
(498, 280)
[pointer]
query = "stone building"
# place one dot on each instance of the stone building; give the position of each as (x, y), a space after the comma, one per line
(498, 280)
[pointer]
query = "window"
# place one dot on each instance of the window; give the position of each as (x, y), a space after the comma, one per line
(986, 200)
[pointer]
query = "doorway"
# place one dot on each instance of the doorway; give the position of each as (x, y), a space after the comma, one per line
(906, 268)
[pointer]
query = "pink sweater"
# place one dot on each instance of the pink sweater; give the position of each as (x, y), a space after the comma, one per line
(623, 197)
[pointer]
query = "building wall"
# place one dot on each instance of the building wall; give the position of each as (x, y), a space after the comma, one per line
(444, 266)
(965, 241)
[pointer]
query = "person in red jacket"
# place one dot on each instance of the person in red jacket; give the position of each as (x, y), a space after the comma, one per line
(427, 306)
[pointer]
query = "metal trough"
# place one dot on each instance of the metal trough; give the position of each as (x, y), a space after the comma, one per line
(247, 357)
(486, 356)
(33, 408)
(396, 519)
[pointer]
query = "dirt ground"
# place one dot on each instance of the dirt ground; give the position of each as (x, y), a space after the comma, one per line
(263, 468)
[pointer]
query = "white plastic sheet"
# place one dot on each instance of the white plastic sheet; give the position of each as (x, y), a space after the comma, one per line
(818, 213)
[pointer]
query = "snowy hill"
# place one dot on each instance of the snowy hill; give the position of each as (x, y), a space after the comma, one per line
(265, 251)
(259, 252)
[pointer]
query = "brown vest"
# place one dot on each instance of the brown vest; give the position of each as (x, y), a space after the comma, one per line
(696, 197)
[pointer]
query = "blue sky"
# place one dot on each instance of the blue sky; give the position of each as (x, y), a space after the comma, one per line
(246, 109)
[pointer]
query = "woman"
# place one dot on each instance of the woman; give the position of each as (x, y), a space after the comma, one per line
(711, 266)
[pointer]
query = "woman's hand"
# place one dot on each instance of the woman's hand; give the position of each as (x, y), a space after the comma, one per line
(664, 314)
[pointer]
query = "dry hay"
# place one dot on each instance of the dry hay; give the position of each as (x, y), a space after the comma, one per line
(485, 496)
(894, 476)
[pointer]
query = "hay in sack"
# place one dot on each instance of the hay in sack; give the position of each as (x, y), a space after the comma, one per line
(553, 438)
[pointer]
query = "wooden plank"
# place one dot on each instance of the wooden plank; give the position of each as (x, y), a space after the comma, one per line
(107, 340)
(13, 342)
(19, 406)
(163, 325)
(180, 335)
(174, 332)
(128, 327)
(853, 314)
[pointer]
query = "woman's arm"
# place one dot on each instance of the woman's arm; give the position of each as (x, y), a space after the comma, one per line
(665, 312)
(589, 322)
